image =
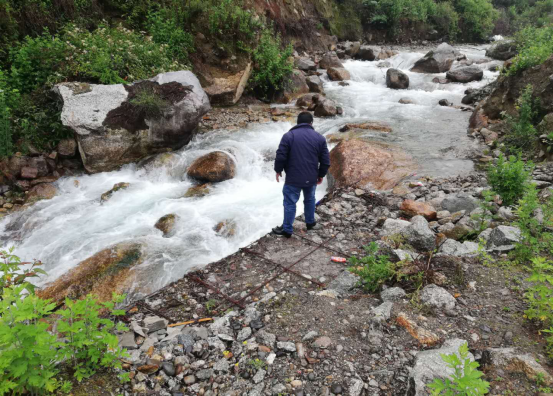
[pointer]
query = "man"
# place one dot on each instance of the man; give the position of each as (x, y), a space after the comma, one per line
(303, 155)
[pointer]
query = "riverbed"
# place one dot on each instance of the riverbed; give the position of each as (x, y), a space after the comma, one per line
(75, 224)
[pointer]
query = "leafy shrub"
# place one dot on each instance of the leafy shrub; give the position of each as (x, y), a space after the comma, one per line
(28, 352)
(14, 275)
(540, 294)
(509, 178)
(373, 270)
(535, 46)
(391, 12)
(447, 19)
(90, 343)
(6, 145)
(164, 27)
(228, 20)
(465, 381)
(523, 134)
(149, 102)
(272, 65)
(477, 18)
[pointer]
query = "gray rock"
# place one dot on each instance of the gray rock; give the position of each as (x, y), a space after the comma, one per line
(458, 202)
(510, 360)
(204, 374)
(429, 366)
(392, 294)
(505, 235)
(222, 365)
(367, 53)
(155, 323)
(126, 340)
(356, 387)
(453, 248)
(437, 297)
(344, 282)
(394, 226)
(325, 108)
(315, 84)
(265, 338)
(106, 140)
(465, 74)
(485, 235)
(419, 235)
(278, 389)
(244, 334)
(330, 59)
(259, 376)
(310, 335)
(502, 50)
(396, 79)
(198, 333)
(436, 61)
(305, 64)
(286, 346)
(322, 342)
(383, 312)
(403, 255)
(189, 380)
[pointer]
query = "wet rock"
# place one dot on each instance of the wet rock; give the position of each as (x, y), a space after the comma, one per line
(429, 365)
(419, 235)
(505, 235)
(436, 61)
(102, 274)
(315, 84)
(330, 59)
(166, 224)
(413, 208)
(392, 294)
(214, 167)
(294, 86)
(367, 53)
(465, 74)
(67, 148)
(502, 50)
(368, 164)
(305, 64)
(226, 228)
(458, 202)
(116, 187)
(407, 101)
(338, 74)
(40, 192)
(198, 191)
(227, 90)
(112, 130)
(396, 79)
(444, 103)
(325, 108)
(437, 297)
(307, 101)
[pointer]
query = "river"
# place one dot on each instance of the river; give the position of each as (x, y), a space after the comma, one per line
(74, 225)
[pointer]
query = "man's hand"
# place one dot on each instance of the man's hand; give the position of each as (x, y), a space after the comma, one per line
(319, 180)
(277, 176)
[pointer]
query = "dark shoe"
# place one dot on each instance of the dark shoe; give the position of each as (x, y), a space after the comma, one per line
(280, 231)
(311, 226)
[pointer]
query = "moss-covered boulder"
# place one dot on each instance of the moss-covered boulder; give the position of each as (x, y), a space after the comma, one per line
(116, 187)
(166, 224)
(226, 228)
(198, 191)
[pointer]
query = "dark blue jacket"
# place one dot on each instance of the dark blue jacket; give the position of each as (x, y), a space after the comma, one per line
(303, 155)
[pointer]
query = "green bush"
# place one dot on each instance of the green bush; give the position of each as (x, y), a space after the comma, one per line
(6, 145)
(466, 380)
(373, 270)
(13, 274)
(165, 29)
(229, 21)
(447, 19)
(149, 102)
(477, 18)
(523, 135)
(509, 178)
(535, 46)
(272, 65)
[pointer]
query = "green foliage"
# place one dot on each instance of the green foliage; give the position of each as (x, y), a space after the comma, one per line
(165, 29)
(149, 101)
(272, 65)
(540, 294)
(257, 364)
(228, 20)
(16, 273)
(447, 19)
(90, 343)
(477, 18)
(28, 352)
(6, 145)
(509, 178)
(373, 270)
(523, 135)
(467, 379)
(535, 45)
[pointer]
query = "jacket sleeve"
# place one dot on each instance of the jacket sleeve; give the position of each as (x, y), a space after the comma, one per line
(282, 153)
(324, 159)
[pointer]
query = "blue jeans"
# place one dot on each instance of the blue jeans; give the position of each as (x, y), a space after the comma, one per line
(291, 197)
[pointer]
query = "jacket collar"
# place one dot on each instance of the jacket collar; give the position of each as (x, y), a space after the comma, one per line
(302, 126)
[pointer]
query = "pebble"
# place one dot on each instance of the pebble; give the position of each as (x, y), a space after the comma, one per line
(296, 383)
(336, 388)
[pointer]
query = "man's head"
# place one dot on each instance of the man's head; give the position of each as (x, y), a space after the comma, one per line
(305, 117)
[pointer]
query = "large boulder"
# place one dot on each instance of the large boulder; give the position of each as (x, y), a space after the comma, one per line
(356, 162)
(465, 74)
(305, 64)
(458, 202)
(214, 167)
(396, 79)
(352, 48)
(330, 59)
(325, 108)
(228, 90)
(368, 53)
(315, 84)
(119, 124)
(295, 85)
(338, 74)
(502, 50)
(436, 61)
(429, 365)
(102, 274)
(40, 192)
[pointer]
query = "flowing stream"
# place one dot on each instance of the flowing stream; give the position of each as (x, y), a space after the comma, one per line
(75, 225)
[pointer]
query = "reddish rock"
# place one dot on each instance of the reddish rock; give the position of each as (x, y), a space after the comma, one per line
(40, 192)
(413, 208)
(424, 336)
(67, 148)
(478, 120)
(356, 162)
(330, 59)
(29, 172)
(214, 167)
(338, 74)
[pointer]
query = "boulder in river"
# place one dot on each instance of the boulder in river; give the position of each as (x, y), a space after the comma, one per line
(367, 53)
(227, 90)
(352, 48)
(330, 59)
(396, 79)
(198, 191)
(502, 50)
(102, 274)
(326, 108)
(338, 74)
(40, 192)
(166, 224)
(307, 100)
(356, 162)
(214, 167)
(295, 85)
(315, 84)
(116, 187)
(465, 74)
(436, 61)
(119, 124)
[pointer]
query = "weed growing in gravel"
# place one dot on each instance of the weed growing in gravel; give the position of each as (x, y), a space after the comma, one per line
(465, 381)
(374, 270)
(509, 178)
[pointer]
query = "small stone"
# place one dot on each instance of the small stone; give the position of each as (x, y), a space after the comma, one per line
(168, 369)
(189, 380)
(244, 334)
(311, 377)
(259, 376)
(322, 342)
(336, 388)
(286, 346)
(310, 335)
(296, 383)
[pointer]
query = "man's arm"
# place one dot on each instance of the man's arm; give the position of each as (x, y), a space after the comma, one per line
(324, 159)
(282, 154)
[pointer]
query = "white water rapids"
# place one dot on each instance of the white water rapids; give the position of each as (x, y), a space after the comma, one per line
(74, 225)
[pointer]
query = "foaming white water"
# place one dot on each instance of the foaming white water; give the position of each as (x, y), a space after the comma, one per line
(75, 224)
(434, 135)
